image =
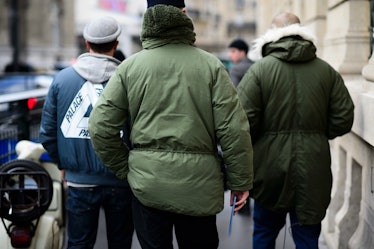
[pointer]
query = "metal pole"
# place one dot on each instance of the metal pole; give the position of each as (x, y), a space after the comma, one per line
(14, 31)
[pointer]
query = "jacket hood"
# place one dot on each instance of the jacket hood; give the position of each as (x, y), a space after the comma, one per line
(164, 24)
(96, 68)
(276, 38)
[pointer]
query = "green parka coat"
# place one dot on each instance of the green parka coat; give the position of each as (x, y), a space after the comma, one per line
(295, 103)
(180, 103)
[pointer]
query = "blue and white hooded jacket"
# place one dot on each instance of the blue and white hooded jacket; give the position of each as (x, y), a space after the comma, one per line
(64, 124)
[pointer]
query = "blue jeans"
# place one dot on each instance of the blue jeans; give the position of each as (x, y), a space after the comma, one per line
(83, 209)
(267, 225)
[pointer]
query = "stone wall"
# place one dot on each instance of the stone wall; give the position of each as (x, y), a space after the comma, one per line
(349, 222)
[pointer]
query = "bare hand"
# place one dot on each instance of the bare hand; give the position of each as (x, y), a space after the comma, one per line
(241, 199)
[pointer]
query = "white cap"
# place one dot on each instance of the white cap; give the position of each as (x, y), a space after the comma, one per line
(102, 30)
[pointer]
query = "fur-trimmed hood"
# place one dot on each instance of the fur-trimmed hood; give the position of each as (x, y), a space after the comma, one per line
(275, 34)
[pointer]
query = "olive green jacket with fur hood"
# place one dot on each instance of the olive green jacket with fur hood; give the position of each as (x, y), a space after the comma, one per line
(295, 103)
(180, 103)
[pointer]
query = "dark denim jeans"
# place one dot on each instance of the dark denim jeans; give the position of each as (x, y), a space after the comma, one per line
(267, 225)
(83, 209)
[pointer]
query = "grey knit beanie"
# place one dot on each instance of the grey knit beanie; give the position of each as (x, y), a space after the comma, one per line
(102, 30)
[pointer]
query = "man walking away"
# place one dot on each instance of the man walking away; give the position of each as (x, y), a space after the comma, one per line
(180, 103)
(295, 102)
(64, 134)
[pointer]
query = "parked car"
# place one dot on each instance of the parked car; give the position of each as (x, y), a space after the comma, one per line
(22, 94)
(22, 97)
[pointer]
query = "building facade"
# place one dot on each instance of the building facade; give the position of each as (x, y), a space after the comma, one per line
(37, 33)
(218, 22)
(43, 33)
(344, 30)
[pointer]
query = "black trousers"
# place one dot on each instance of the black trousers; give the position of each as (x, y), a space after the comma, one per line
(154, 229)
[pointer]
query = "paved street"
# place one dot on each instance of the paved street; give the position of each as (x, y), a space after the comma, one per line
(241, 235)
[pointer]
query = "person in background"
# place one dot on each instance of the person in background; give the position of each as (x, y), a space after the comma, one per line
(181, 103)
(295, 103)
(64, 134)
(238, 50)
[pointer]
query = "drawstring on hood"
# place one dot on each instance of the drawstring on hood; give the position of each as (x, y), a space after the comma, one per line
(275, 34)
